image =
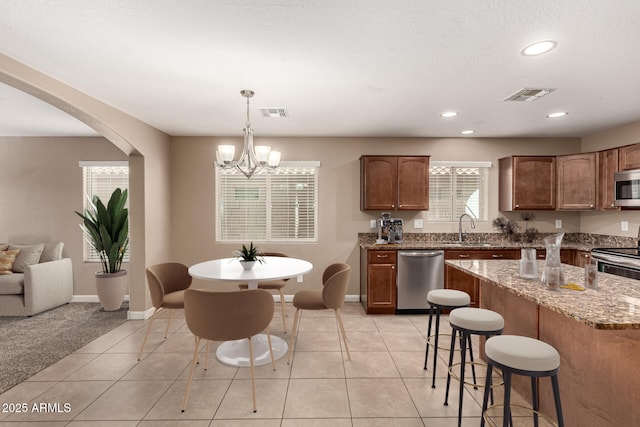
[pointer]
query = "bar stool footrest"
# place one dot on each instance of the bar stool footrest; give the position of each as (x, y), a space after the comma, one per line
(456, 377)
(487, 416)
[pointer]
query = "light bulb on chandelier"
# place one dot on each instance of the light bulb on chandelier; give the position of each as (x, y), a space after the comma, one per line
(253, 159)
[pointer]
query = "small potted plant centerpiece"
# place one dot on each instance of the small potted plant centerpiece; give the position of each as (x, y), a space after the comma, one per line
(525, 238)
(248, 256)
(106, 228)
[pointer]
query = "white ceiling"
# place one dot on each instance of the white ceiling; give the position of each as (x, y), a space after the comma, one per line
(340, 67)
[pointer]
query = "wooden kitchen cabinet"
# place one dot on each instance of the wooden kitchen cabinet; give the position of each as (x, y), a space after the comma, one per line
(576, 182)
(394, 183)
(608, 165)
(527, 183)
(629, 157)
(456, 279)
(582, 258)
(378, 281)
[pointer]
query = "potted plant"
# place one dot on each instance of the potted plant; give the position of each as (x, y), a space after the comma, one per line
(106, 228)
(249, 256)
(525, 238)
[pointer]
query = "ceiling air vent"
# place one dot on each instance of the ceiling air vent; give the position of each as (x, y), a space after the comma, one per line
(528, 94)
(274, 112)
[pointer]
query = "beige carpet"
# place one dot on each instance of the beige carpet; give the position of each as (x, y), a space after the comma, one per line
(30, 344)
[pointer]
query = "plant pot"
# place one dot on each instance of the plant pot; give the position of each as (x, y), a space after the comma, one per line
(111, 289)
(528, 263)
(247, 265)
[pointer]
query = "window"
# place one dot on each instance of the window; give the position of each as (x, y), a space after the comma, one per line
(456, 188)
(270, 206)
(100, 179)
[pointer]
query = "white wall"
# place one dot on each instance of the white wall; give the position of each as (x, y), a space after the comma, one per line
(340, 218)
(42, 187)
(595, 222)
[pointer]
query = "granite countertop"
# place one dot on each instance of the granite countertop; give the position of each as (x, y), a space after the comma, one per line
(614, 305)
(463, 246)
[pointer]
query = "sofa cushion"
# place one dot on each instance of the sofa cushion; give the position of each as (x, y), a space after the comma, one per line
(29, 255)
(7, 260)
(12, 284)
(52, 252)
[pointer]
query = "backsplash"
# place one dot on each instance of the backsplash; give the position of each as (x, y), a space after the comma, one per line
(591, 240)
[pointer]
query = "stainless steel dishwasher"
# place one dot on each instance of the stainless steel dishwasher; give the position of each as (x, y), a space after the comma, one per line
(419, 271)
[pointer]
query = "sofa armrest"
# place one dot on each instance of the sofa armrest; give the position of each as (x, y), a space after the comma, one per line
(48, 285)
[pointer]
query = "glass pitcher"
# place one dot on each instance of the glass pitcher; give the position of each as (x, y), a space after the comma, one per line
(552, 259)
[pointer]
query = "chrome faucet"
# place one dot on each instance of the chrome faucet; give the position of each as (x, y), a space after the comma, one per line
(473, 225)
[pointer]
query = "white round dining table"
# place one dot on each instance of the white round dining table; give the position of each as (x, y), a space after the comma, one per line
(236, 353)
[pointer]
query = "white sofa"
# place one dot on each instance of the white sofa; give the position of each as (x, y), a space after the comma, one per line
(40, 279)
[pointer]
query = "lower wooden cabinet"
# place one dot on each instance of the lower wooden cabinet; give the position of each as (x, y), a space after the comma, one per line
(378, 291)
(456, 279)
(581, 258)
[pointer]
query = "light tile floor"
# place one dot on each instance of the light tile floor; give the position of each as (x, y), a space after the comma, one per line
(384, 384)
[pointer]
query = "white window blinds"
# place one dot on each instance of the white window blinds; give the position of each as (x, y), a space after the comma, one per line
(457, 189)
(100, 179)
(270, 206)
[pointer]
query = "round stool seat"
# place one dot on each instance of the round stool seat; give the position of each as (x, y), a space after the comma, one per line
(524, 353)
(476, 319)
(448, 297)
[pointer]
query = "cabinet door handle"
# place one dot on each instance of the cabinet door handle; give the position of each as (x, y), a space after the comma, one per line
(463, 256)
(393, 206)
(497, 256)
(517, 206)
(399, 206)
(393, 267)
(382, 256)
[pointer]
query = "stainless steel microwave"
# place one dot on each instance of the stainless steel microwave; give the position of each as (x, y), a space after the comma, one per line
(627, 188)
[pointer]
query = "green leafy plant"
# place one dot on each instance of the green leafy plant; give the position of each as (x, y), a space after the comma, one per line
(252, 253)
(106, 228)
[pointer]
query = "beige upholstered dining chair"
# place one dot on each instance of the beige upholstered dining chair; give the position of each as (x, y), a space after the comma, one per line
(335, 280)
(167, 283)
(227, 316)
(274, 285)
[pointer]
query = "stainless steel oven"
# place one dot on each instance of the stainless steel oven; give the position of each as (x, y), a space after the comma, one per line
(619, 261)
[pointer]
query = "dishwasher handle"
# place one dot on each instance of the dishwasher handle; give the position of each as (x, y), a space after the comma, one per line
(421, 254)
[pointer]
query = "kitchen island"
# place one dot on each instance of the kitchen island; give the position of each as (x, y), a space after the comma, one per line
(596, 332)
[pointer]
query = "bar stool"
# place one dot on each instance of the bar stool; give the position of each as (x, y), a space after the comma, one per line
(522, 356)
(469, 321)
(438, 300)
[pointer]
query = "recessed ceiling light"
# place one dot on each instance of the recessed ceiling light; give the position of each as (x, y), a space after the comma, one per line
(556, 115)
(448, 114)
(538, 48)
(467, 132)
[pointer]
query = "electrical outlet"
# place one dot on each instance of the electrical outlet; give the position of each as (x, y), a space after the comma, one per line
(417, 223)
(558, 223)
(372, 223)
(624, 226)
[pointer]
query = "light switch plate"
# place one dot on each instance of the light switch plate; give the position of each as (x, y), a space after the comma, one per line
(624, 226)
(558, 223)
(417, 223)
(372, 223)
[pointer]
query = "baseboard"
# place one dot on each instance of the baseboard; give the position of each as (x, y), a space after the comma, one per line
(90, 298)
(143, 315)
(289, 298)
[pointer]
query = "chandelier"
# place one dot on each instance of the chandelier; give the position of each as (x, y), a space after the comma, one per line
(253, 159)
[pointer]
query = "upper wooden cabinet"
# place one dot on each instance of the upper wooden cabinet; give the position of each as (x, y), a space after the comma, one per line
(629, 157)
(394, 183)
(607, 167)
(576, 181)
(527, 183)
